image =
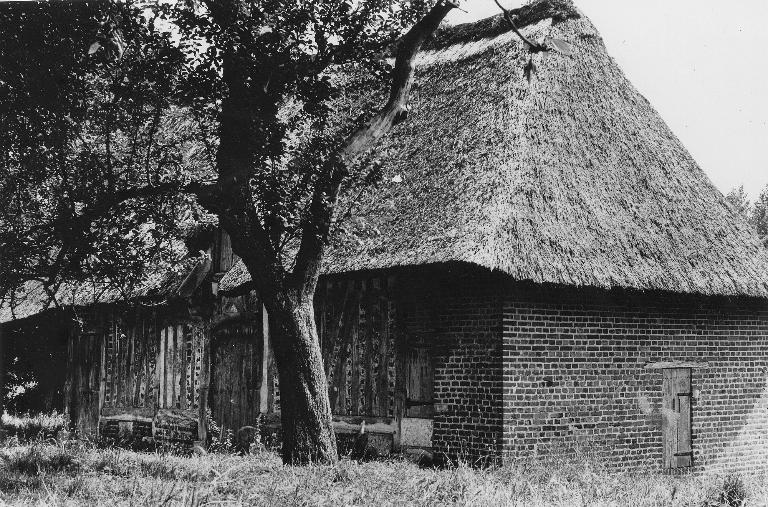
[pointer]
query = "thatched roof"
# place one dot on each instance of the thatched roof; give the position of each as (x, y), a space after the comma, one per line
(572, 178)
(32, 298)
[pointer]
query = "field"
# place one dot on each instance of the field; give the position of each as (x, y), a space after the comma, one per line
(50, 471)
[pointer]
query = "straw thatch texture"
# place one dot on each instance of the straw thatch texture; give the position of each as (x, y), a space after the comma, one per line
(32, 298)
(572, 178)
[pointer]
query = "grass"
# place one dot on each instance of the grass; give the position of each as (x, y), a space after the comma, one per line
(76, 473)
(33, 427)
(46, 471)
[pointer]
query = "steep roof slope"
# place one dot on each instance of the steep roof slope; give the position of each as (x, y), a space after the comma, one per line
(32, 298)
(571, 178)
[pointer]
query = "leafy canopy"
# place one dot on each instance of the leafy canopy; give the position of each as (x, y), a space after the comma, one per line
(113, 133)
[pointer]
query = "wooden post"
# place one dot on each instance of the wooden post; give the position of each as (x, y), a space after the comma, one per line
(264, 391)
(2, 373)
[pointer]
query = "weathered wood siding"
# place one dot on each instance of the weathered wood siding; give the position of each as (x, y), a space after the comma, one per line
(84, 356)
(236, 374)
(130, 351)
(357, 332)
(181, 368)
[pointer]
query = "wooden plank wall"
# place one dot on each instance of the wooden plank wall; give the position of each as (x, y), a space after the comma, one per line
(83, 376)
(130, 350)
(181, 365)
(357, 336)
(236, 374)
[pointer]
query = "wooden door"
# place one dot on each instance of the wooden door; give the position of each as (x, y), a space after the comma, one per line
(236, 375)
(676, 418)
(84, 372)
(419, 387)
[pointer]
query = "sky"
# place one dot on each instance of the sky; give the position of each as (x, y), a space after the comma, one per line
(703, 64)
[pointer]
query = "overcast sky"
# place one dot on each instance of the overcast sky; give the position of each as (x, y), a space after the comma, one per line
(703, 64)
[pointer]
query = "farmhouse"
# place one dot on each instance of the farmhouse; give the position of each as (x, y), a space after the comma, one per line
(544, 269)
(147, 365)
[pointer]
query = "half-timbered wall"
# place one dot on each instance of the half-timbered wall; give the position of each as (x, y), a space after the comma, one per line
(356, 327)
(416, 354)
(180, 368)
(130, 351)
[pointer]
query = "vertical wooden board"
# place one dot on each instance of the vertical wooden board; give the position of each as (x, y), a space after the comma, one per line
(419, 383)
(102, 372)
(161, 367)
(342, 336)
(137, 370)
(204, 379)
(183, 365)
(170, 347)
(178, 384)
(130, 375)
(384, 393)
(668, 419)
(683, 393)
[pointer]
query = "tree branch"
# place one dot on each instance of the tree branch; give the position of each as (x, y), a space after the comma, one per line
(395, 109)
(533, 46)
(317, 225)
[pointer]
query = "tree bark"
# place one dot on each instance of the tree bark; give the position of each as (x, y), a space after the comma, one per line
(307, 426)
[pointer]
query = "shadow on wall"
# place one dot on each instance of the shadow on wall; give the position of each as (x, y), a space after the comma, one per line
(747, 447)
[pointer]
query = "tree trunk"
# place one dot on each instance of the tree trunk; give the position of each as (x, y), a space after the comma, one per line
(305, 408)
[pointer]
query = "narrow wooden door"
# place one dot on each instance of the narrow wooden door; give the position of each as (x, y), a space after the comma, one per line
(84, 372)
(420, 373)
(676, 418)
(236, 375)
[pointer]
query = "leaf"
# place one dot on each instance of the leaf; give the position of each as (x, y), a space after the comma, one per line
(94, 47)
(561, 46)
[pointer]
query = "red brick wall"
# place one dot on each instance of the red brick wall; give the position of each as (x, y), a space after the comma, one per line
(460, 312)
(575, 377)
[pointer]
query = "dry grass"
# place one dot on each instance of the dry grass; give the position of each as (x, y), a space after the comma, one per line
(75, 473)
(28, 426)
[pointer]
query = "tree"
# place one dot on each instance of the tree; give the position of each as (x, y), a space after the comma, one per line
(253, 84)
(756, 213)
(759, 216)
(90, 144)
(740, 201)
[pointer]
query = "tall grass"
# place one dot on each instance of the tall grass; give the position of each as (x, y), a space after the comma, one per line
(75, 473)
(28, 427)
(71, 472)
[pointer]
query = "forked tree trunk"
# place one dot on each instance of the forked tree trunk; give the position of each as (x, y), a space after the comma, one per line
(305, 408)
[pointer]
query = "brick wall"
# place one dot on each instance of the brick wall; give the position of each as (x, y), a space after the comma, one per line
(575, 376)
(460, 313)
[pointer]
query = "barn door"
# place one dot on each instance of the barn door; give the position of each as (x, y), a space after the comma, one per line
(419, 399)
(84, 372)
(676, 420)
(416, 424)
(236, 375)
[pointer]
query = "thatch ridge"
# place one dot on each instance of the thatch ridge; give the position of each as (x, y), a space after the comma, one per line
(556, 10)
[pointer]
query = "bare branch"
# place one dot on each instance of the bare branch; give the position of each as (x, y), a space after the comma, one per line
(395, 110)
(325, 196)
(533, 46)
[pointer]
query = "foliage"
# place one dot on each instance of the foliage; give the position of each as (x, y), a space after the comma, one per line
(88, 127)
(162, 113)
(756, 213)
